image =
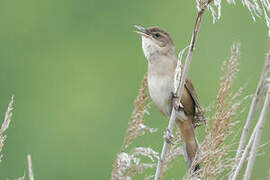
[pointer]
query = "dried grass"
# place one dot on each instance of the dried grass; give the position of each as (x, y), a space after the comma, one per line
(214, 151)
(5, 125)
(131, 162)
(257, 9)
(136, 127)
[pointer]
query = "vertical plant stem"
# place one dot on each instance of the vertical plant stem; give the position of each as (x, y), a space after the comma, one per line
(258, 135)
(251, 114)
(252, 110)
(179, 90)
(251, 144)
(236, 173)
(30, 168)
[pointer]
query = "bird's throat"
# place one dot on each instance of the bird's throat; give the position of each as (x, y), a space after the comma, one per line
(150, 49)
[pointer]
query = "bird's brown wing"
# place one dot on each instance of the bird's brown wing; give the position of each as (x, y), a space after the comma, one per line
(193, 93)
(199, 115)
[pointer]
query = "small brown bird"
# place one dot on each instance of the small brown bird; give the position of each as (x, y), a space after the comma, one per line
(158, 48)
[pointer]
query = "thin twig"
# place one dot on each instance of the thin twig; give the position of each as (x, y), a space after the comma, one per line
(253, 108)
(252, 111)
(258, 135)
(243, 157)
(180, 89)
(30, 168)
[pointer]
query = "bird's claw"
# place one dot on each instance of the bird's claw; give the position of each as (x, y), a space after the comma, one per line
(179, 108)
(168, 136)
(176, 104)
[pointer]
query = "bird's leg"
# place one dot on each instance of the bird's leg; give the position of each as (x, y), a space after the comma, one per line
(168, 136)
(179, 108)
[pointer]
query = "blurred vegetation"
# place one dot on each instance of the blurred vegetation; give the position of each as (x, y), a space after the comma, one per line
(75, 68)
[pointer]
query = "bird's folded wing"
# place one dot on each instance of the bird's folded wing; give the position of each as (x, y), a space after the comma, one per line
(199, 114)
(193, 93)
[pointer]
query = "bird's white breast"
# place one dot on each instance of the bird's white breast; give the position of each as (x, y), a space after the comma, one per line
(160, 73)
(160, 88)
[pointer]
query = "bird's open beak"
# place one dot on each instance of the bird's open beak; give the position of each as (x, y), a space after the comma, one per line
(141, 31)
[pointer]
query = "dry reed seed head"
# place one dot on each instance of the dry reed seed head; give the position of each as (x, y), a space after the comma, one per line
(136, 126)
(132, 162)
(224, 99)
(214, 151)
(122, 162)
(203, 4)
(128, 165)
(7, 118)
(215, 9)
(147, 152)
(135, 131)
(5, 124)
(257, 9)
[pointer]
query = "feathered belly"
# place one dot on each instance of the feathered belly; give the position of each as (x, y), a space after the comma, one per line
(160, 90)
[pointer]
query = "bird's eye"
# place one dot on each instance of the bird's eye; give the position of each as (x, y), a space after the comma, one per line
(156, 35)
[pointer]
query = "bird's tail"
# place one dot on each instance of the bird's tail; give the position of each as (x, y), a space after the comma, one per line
(190, 144)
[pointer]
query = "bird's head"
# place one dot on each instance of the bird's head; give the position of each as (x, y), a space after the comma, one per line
(155, 41)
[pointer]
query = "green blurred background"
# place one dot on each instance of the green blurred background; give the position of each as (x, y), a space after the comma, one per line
(75, 68)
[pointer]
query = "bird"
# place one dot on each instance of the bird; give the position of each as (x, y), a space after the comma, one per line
(158, 48)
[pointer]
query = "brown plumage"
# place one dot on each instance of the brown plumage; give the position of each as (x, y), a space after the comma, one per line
(158, 48)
